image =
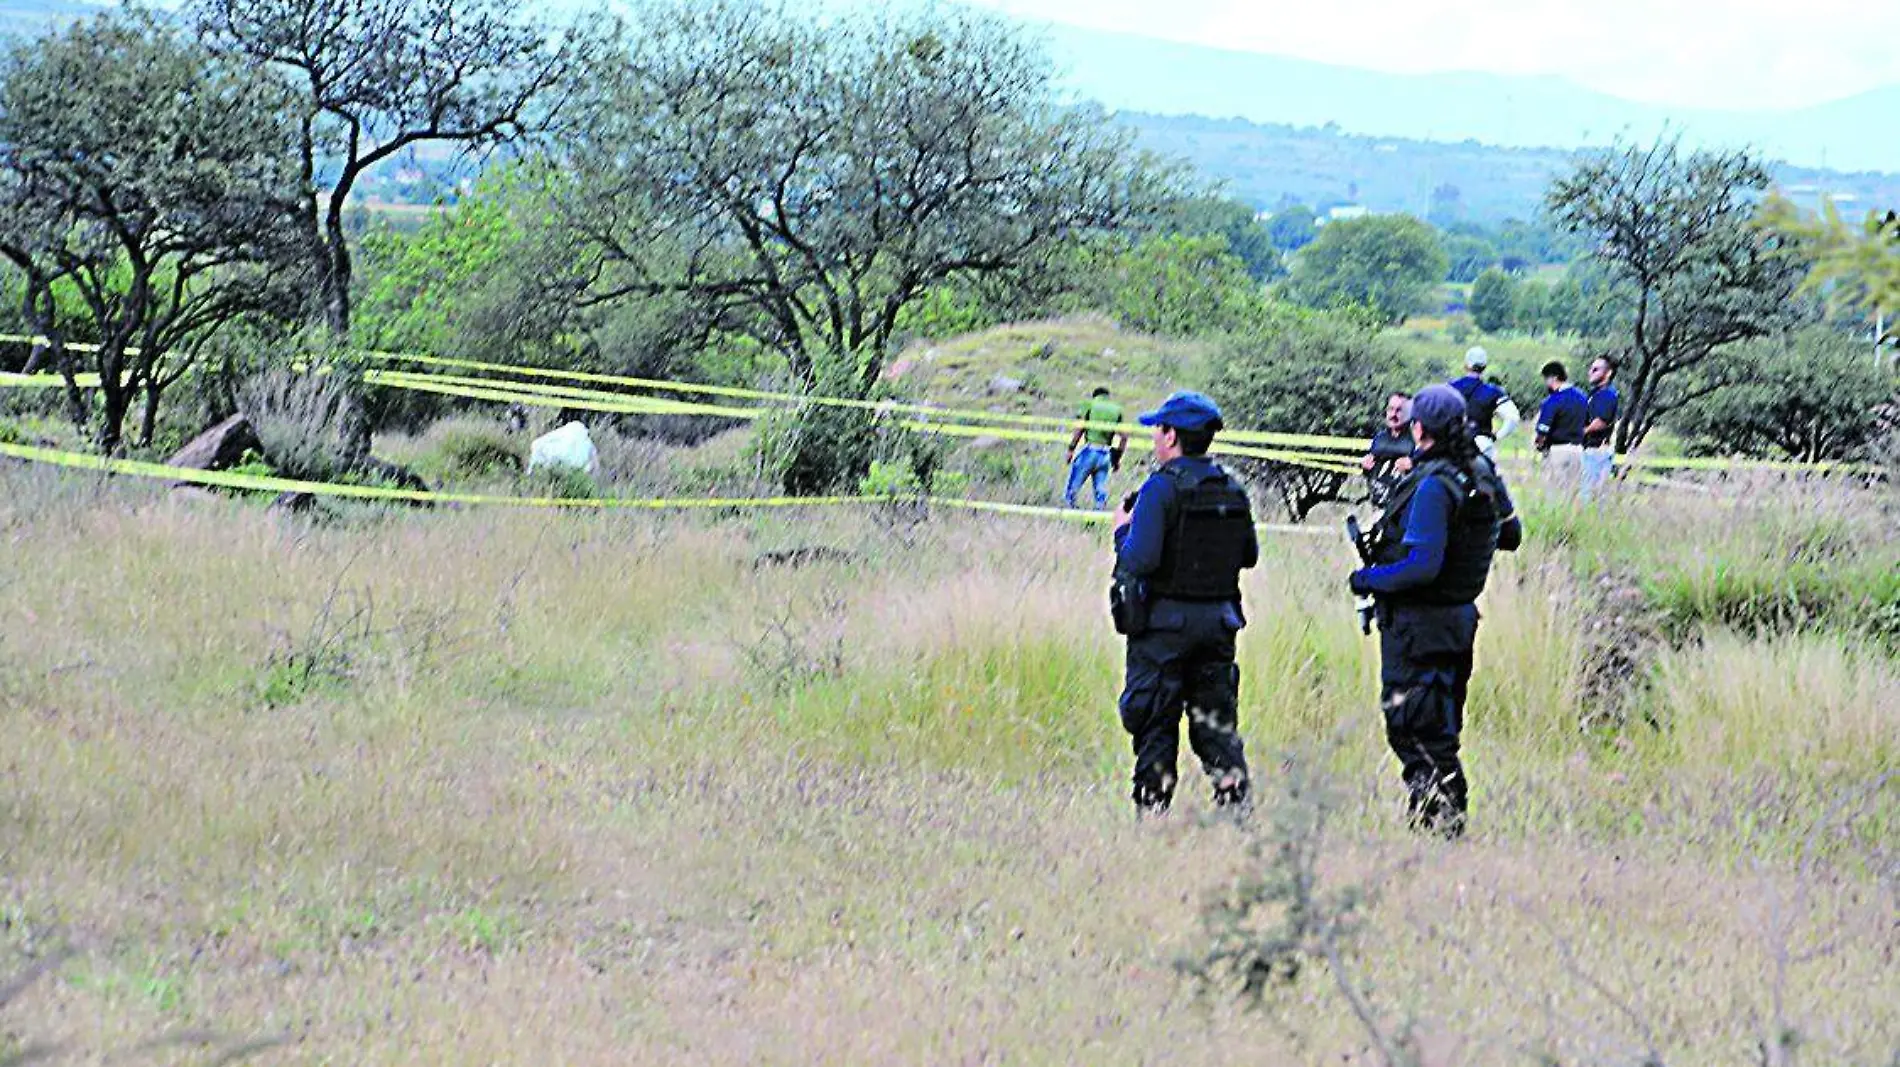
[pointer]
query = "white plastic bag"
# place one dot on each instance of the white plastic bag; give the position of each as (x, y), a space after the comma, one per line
(569, 446)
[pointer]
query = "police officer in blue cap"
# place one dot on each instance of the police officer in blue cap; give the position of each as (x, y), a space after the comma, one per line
(1179, 551)
(1431, 553)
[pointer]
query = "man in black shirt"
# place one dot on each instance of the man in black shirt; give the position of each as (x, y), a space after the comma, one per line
(1389, 458)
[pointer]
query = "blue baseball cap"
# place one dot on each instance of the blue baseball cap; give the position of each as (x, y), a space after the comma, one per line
(1185, 410)
(1439, 409)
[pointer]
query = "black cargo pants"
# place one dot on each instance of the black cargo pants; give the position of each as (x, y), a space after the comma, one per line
(1424, 674)
(1184, 664)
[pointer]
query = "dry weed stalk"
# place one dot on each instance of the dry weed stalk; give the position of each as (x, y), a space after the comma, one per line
(1280, 912)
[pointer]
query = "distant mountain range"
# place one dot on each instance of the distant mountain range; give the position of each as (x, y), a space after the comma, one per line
(1142, 74)
(1327, 135)
(1265, 163)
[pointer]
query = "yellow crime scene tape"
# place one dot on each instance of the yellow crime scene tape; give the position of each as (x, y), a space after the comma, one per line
(10, 380)
(1317, 442)
(1305, 449)
(590, 400)
(1294, 440)
(274, 484)
(622, 403)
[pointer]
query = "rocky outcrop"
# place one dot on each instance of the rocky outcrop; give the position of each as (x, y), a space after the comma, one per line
(218, 448)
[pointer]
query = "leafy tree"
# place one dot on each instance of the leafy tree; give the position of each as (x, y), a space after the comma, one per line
(1292, 227)
(1493, 301)
(1675, 230)
(1530, 305)
(814, 179)
(1861, 265)
(1808, 395)
(1213, 216)
(146, 185)
(1306, 372)
(479, 279)
(1470, 257)
(1388, 262)
(1177, 286)
(1532, 243)
(374, 79)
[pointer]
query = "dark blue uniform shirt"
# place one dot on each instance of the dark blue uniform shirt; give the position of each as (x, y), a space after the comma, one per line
(1482, 400)
(1603, 404)
(1138, 546)
(1427, 535)
(1561, 420)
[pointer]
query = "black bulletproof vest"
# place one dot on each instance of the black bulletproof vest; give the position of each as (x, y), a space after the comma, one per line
(1208, 539)
(1473, 539)
(1481, 403)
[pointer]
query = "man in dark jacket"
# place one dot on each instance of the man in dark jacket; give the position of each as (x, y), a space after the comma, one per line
(1432, 551)
(1179, 551)
(1389, 458)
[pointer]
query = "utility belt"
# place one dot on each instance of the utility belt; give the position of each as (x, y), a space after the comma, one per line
(1131, 603)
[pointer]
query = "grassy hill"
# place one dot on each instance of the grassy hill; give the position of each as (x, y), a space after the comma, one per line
(1047, 368)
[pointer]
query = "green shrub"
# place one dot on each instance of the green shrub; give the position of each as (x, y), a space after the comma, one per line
(310, 423)
(470, 451)
(896, 477)
(997, 466)
(254, 465)
(562, 483)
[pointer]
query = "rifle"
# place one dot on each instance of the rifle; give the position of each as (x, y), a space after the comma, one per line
(1366, 605)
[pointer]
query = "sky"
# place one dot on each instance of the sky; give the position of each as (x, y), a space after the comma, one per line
(1743, 55)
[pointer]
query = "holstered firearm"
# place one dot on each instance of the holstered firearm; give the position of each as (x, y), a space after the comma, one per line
(1128, 595)
(1367, 605)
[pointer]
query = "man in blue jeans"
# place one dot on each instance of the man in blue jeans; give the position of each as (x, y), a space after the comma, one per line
(1601, 410)
(1096, 449)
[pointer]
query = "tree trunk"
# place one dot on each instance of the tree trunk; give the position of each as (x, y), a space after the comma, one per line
(148, 418)
(112, 418)
(335, 276)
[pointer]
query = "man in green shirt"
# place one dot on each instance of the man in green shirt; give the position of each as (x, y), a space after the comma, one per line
(1096, 449)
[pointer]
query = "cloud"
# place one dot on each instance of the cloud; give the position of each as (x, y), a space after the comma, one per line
(1732, 54)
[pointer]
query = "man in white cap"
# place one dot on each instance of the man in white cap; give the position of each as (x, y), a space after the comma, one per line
(1490, 410)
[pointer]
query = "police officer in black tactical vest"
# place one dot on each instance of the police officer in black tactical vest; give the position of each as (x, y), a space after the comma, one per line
(1179, 551)
(1431, 553)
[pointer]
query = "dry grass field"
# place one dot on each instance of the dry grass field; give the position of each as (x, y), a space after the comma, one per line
(500, 787)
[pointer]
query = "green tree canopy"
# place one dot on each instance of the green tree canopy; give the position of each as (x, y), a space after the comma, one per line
(1391, 263)
(1674, 231)
(151, 184)
(1292, 227)
(814, 178)
(1858, 266)
(1216, 216)
(1494, 301)
(1178, 286)
(1810, 394)
(1301, 371)
(1469, 256)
